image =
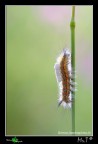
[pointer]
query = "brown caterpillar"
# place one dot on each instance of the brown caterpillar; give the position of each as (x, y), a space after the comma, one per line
(63, 73)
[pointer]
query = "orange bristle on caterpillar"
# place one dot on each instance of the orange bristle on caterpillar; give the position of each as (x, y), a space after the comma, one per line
(64, 78)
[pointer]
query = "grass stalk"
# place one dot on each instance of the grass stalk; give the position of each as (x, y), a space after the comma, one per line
(72, 27)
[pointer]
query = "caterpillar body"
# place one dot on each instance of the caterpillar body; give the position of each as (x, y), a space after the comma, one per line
(63, 72)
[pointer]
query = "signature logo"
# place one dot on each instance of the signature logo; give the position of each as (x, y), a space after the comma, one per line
(84, 140)
(14, 140)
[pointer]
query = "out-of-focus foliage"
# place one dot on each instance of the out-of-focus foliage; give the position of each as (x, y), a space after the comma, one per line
(35, 35)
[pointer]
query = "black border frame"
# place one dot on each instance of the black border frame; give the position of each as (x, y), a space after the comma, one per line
(25, 139)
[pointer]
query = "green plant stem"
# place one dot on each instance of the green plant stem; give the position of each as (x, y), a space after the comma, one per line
(72, 26)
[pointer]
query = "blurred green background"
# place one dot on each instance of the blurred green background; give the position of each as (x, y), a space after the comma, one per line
(35, 35)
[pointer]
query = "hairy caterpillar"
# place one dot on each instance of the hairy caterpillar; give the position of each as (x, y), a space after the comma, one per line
(64, 78)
